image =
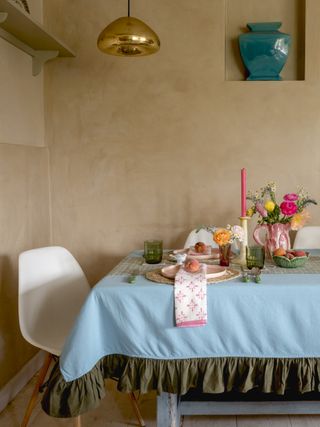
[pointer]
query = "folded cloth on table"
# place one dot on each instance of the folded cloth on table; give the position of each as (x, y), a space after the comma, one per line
(193, 252)
(190, 297)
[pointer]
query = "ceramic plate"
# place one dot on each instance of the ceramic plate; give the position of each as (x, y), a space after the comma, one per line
(215, 271)
(212, 271)
(214, 254)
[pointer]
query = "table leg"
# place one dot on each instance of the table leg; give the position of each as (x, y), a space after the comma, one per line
(168, 411)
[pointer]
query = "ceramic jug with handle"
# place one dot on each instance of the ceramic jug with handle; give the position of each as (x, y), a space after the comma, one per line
(272, 236)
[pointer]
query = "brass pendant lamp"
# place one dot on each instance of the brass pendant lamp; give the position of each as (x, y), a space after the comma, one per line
(128, 36)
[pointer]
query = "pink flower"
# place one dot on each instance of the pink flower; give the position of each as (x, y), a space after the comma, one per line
(261, 210)
(291, 197)
(288, 208)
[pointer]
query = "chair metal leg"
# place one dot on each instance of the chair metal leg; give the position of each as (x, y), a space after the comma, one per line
(136, 409)
(33, 399)
(77, 421)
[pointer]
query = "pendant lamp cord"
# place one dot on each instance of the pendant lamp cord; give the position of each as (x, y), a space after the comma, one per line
(128, 7)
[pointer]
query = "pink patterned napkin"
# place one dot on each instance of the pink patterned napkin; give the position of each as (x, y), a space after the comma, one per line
(190, 298)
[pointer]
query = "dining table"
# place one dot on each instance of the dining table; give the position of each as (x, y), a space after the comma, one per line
(260, 336)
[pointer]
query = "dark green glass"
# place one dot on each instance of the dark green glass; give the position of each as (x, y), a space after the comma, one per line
(255, 256)
(153, 251)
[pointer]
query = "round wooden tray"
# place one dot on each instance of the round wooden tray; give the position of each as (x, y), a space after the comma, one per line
(156, 276)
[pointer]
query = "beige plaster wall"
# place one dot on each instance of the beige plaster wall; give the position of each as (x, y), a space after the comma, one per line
(24, 203)
(151, 147)
(24, 224)
(21, 101)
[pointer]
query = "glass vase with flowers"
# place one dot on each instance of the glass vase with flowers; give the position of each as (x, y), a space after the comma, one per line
(225, 237)
(276, 220)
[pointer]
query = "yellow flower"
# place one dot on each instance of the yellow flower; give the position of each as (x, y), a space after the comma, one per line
(250, 212)
(269, 205)
(299, 219)
(222, 236)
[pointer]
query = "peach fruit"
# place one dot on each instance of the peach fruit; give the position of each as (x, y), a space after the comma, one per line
(279, 252)
(299, 253)
(290, 255)
(192, 265)
(200, 247)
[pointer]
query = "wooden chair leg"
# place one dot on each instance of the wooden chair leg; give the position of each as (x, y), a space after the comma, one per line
(33, 399)
(136, 409)
(77, 421)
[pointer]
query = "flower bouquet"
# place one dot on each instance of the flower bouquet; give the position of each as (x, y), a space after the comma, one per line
(224, 237)
(275, 219)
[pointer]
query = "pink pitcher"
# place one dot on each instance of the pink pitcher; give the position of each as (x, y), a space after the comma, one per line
(275, 236)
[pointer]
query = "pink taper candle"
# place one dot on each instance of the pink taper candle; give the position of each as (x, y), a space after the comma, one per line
(243, 192)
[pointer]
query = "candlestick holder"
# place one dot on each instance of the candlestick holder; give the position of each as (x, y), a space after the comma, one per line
(241, 258)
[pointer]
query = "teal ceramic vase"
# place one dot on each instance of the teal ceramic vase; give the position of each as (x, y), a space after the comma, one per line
(264, 50)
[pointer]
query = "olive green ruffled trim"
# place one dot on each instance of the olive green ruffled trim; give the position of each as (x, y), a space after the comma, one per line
(212, 375)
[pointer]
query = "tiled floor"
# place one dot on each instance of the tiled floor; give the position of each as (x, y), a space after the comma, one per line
(116, 411)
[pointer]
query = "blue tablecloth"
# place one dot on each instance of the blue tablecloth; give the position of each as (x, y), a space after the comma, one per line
(277, 318)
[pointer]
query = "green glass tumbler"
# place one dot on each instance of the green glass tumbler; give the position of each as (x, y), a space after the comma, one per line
(153, 251)
(255, 256)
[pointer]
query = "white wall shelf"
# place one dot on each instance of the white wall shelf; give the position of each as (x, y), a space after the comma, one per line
(19, 29)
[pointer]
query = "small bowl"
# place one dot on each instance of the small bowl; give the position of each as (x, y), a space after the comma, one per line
(282, 261)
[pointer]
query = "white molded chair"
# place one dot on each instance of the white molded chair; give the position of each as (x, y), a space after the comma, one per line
(52, 289)
(307, 238)
(200, 236)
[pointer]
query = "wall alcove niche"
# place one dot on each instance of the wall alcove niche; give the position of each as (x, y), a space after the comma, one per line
(292, 15)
